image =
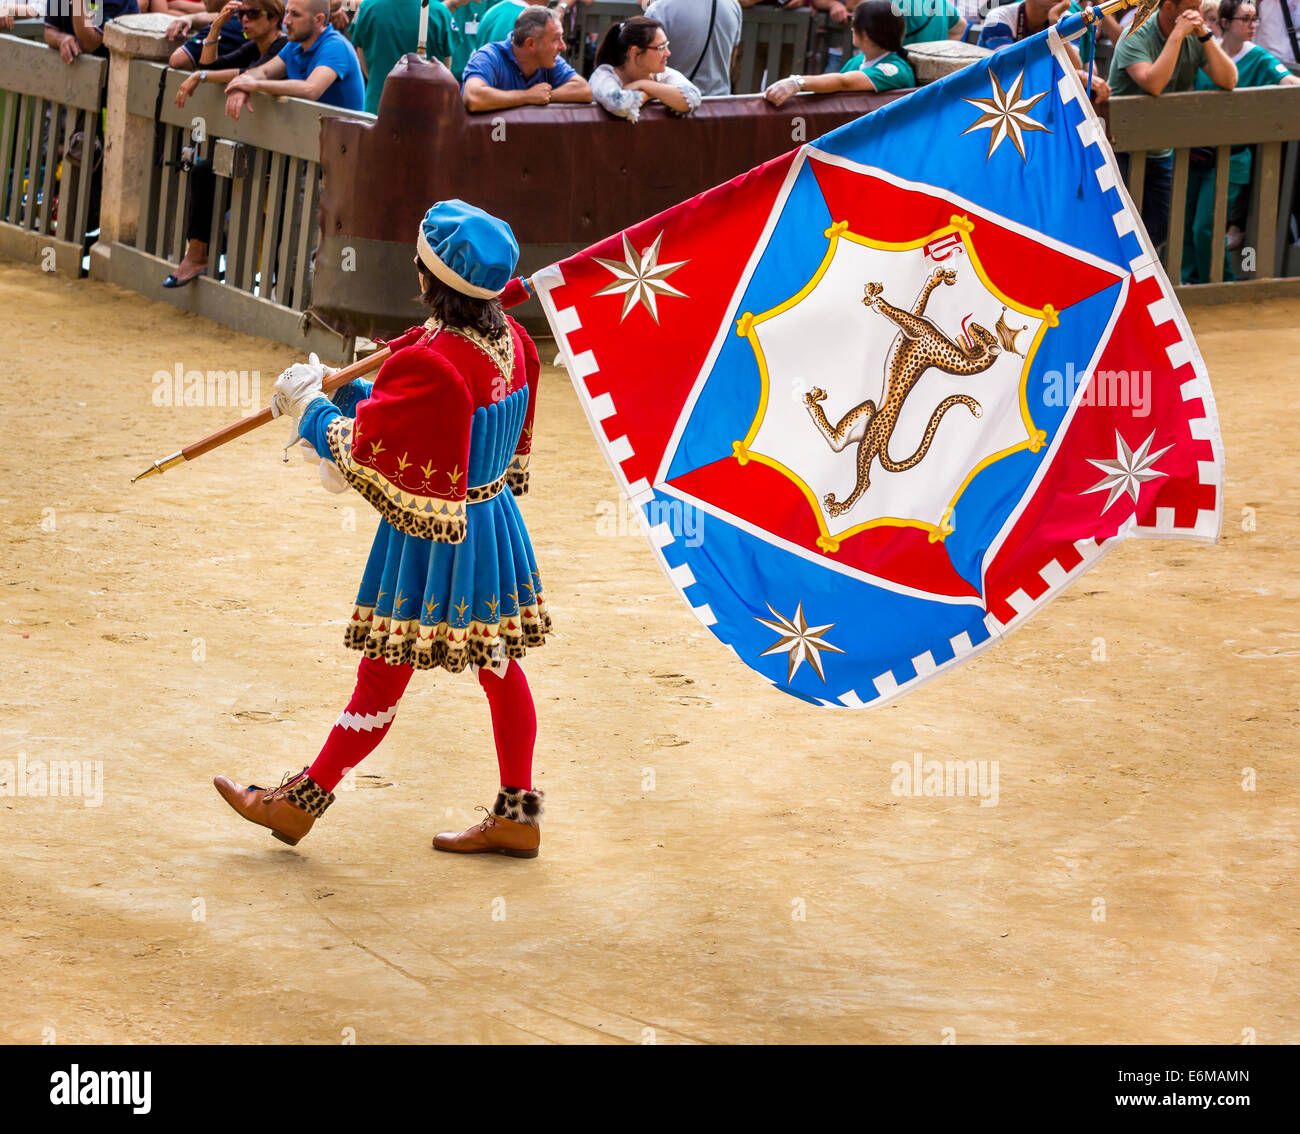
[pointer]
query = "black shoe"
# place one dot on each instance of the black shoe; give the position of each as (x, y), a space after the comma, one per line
(172, 281)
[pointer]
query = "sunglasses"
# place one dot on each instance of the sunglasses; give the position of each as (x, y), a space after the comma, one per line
(251, 13)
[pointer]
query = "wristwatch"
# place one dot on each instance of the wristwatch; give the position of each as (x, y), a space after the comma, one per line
(1207, 35)
(798, 81)
(203, 76)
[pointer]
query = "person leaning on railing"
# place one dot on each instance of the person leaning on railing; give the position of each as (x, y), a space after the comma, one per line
(259, 43)
(1165, 54)
(930, 21)
(261, 21)
(632, 69)
(881, 62)
(318, 64)
(75, 26)
(525, 70)
(1012, 23)
(11, 12)
(707, 35)
(223, 32)
(1256, 67)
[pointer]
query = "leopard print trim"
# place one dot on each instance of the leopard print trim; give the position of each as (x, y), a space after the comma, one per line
(517, 474)
(440, 646)
(501, 350)
(428, 517)
(481, 492)
(520, 806)
(306, 794)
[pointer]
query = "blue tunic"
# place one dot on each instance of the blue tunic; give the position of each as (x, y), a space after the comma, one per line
(425, 603)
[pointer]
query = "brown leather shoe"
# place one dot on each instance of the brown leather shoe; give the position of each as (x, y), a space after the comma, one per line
(511, 828)
(288, 810)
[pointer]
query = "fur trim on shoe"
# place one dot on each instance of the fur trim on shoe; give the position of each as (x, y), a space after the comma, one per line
(520, 806)
(305, 793)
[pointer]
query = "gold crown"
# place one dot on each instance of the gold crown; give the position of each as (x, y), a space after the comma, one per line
(1007, 335)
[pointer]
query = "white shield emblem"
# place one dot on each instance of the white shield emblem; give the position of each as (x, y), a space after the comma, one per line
(891, 378)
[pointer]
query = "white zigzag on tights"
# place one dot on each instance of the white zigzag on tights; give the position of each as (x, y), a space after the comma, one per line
(359, 722)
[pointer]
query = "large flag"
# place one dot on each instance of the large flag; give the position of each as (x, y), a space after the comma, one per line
(882, 398)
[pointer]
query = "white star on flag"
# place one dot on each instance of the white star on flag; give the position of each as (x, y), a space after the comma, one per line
(799, 641)
(640, 278)
(1130, 469)
(1006, 115)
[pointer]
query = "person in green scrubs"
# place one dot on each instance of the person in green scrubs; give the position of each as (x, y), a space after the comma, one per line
(1256, 67)
(385, 30)
(499, 22)
(881, 59)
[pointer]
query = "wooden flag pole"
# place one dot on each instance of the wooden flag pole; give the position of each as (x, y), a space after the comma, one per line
(515, 293)
(248, 424)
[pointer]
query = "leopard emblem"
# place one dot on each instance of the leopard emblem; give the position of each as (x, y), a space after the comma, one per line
(920, 345)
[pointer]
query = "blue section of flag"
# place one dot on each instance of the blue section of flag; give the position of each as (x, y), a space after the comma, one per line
(880, 630)
(732, 393)
(921, 138)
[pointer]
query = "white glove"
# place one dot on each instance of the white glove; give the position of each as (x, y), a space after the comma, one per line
(331, 478)
(297, 387)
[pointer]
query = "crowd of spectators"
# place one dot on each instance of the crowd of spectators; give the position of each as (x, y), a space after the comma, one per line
(507, 53)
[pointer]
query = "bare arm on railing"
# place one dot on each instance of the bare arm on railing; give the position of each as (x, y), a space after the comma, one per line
(479, 96)
(270, 79)
(66, 45)
(11, 12)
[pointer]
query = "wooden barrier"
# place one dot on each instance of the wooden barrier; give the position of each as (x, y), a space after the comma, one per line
(49, 129)
(264, 230)
(1267, 118)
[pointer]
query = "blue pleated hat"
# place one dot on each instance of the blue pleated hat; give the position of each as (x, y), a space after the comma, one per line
(467, 249)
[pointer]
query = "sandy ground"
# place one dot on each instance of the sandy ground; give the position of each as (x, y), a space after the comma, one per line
(769, 886)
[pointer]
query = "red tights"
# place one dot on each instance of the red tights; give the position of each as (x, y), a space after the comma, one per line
(380, 686)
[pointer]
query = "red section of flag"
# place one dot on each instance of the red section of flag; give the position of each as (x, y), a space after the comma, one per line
(1062, 511)
(766, 498)
(1025, 270)
(715, 233)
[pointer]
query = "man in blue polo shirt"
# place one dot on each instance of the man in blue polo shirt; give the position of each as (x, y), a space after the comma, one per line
(317, 63)
(525, 70)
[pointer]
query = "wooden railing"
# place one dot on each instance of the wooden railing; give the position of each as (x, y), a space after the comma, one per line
(50, 146)
(263, 232)
(1266, 118)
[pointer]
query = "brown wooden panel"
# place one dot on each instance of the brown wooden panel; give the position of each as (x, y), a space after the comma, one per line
(1268, 180)
(292, 127)
(34, 69)
(1204, 118)
(57, 117)
(271, 224)
(1218, 231)
(1177, 215)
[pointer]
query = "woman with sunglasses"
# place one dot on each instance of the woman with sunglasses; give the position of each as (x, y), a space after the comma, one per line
(261, 21)
(632, 69)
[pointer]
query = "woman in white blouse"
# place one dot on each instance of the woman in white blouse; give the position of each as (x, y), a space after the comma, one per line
(632, 69)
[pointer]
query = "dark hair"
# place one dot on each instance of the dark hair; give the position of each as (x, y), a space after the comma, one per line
(454, 309)
(882, 22)
(1228, 9)
(637, 31)
(531, 22)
